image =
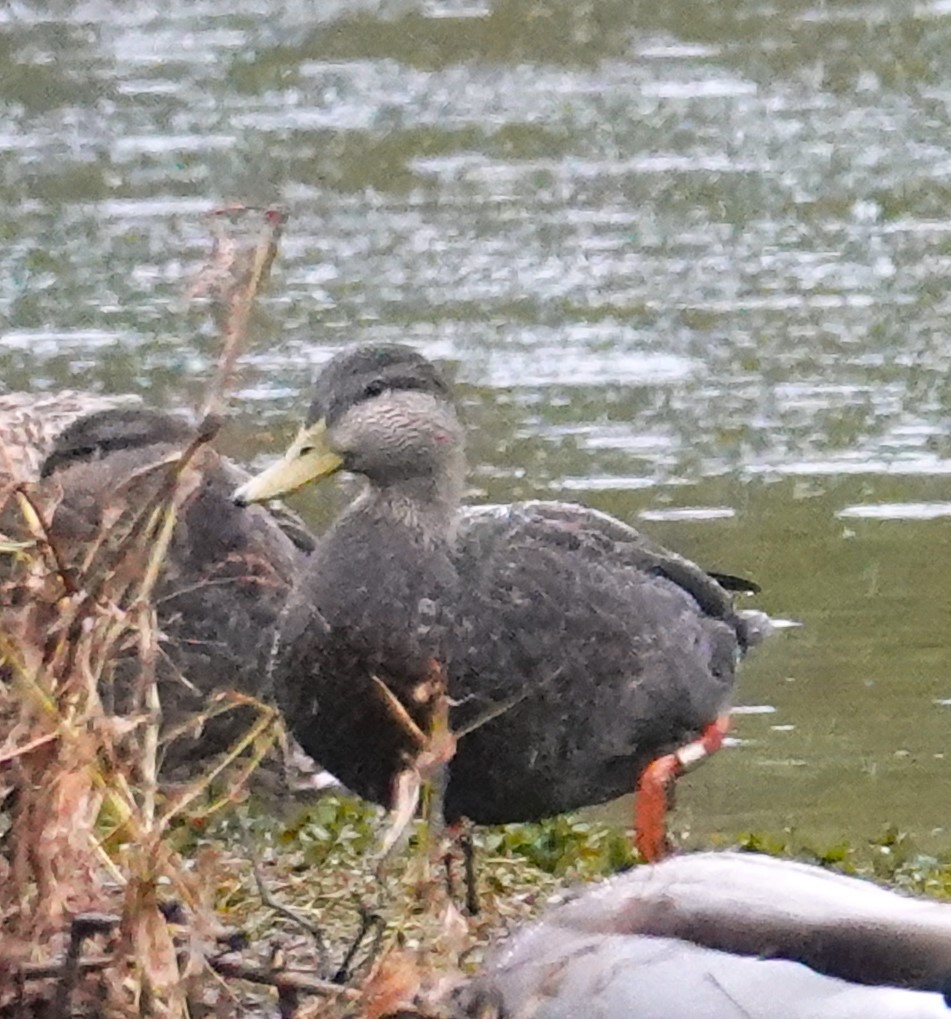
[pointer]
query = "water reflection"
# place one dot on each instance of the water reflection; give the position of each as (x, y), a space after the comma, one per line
(687, 262)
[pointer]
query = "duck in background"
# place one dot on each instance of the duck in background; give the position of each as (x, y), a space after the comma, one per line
(99, 461)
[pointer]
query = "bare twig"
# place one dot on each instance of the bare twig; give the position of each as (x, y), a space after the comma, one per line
(191, 794)
(368, 921)
(288, 913)
(42, 533)
(232, 965)
(400, 714)
(241, 304)
(47, 970)
(81, 928)
(29, 747)
(467, 844)
(492, 712)
(145, 521)
(425, 777)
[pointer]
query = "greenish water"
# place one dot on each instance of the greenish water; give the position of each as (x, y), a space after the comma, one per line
(679, 257)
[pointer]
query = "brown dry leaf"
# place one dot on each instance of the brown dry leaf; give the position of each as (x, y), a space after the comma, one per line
(245, 242)
(418, 982)
(454, 936)
(393, 985)
(405, 801)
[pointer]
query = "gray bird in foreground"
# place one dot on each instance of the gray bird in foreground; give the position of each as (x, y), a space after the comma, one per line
(575, 651)
(724, 936)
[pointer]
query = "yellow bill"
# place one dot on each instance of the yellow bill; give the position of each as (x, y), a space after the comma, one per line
(308, 458)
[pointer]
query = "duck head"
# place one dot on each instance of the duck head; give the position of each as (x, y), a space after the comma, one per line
(382, 411)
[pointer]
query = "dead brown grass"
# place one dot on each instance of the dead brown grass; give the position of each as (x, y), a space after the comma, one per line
(87, 818)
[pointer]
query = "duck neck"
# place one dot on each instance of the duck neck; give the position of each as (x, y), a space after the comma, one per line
(426, 504)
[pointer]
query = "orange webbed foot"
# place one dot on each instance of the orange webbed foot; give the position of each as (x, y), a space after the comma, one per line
(655, 789)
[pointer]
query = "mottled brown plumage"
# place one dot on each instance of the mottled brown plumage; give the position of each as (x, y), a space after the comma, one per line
(30, 423)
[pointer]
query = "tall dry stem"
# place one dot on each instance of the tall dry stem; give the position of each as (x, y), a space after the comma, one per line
(88, 820)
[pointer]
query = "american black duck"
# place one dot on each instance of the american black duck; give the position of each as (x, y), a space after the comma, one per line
(599, 651)
(724, 936)
(226, 574)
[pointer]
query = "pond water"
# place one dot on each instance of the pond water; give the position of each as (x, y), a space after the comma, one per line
(688, 263)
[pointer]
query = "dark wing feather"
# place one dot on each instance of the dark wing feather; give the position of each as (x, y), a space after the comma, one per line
(625, 544)
(615, 650)
(738, 584)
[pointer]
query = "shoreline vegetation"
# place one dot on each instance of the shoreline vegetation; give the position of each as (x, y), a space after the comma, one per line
(124, 895)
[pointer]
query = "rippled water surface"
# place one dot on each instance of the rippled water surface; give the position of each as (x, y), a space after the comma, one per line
(688, 263)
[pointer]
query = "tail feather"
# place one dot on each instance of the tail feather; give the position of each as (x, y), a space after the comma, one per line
(752, 627)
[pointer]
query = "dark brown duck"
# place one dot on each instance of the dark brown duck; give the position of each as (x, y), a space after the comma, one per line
(607, 650)
(226, 574)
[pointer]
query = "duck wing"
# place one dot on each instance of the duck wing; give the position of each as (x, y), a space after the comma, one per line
(580, 652)
(727, 936)
(599, 535)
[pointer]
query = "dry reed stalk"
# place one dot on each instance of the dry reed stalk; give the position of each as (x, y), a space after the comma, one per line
(424, 777)
(57, 658)
(232, 279)
(52, 756)
(63, 626)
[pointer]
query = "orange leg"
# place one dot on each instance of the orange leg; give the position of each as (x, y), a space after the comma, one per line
(656, 785)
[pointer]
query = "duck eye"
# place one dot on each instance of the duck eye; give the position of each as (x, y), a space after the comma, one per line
(373, 389)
